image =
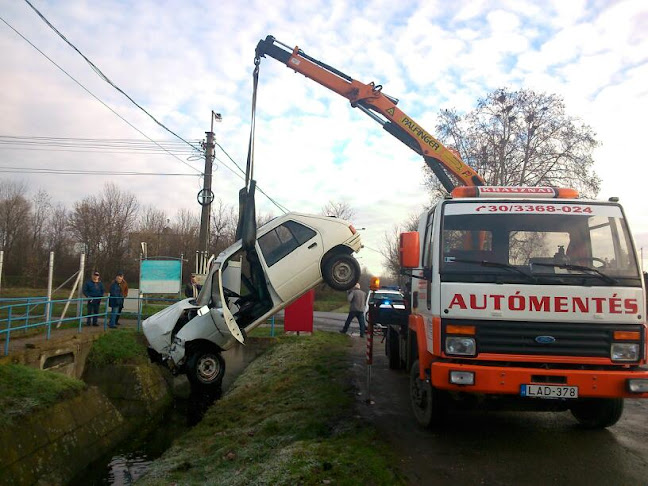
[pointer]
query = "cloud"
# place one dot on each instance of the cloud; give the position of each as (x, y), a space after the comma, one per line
(181, 60)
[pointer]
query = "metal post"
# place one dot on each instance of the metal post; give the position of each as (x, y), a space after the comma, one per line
(2, 263)
(369, 332)
(50, 277)
(206, 208)
(6, 350)
(80, 293)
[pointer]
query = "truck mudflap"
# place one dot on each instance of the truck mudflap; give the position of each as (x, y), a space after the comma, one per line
(495, 380)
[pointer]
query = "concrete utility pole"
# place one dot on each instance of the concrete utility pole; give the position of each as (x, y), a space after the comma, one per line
(207, 195)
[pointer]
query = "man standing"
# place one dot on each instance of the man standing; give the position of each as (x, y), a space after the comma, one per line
(116, 300)
(356, 298)
(93, 290)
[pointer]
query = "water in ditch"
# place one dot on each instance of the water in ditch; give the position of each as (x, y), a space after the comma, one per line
(130, 460)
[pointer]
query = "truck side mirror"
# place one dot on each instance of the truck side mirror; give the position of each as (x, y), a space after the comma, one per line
(409, 249)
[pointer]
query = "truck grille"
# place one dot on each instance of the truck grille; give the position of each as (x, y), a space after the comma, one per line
(514, 337)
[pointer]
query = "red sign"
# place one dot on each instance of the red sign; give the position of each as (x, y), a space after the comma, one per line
(299, 315)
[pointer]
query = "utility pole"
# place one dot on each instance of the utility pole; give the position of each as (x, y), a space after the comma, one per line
(206, 196)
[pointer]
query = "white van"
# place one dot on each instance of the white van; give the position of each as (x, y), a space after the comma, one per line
(292, 254)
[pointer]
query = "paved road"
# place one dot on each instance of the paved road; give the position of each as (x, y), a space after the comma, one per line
(501, 448)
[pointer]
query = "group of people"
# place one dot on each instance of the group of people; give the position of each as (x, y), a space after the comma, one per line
(94, 290)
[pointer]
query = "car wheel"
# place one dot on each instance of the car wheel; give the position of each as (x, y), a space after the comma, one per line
(205, 367)
(428, 404)
(341, 271)
(598, 413)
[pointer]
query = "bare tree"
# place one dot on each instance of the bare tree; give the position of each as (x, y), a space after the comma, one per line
(339, 209)
(15, 214)
(154, 229)
(522, 138)
(104, 224)
(390, 247)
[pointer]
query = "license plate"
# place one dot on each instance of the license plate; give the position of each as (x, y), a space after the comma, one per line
(549, 391)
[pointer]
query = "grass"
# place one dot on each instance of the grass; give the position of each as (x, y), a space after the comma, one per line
(288, 419)
(121, 346)
(24, 390)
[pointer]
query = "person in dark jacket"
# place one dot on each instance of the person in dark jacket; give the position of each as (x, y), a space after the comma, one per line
(116, 299)
(93, 290)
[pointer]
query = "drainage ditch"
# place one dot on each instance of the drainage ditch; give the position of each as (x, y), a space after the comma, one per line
(131, 458)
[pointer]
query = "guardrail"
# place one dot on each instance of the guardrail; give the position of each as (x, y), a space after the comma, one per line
(26, 314)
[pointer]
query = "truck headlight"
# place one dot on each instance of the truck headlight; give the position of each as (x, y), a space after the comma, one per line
(624, 352)
(460, 345)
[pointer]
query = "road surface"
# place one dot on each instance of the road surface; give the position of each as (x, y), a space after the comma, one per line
(499, 448)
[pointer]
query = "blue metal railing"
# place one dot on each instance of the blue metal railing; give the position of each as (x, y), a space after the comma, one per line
(26, 314)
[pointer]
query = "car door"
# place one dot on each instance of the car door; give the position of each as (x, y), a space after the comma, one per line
(292, 253)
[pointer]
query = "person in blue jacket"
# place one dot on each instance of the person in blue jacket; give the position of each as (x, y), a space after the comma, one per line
(93, 289)
(116, 299)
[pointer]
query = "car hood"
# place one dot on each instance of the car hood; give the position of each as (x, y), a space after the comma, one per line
(159, 326)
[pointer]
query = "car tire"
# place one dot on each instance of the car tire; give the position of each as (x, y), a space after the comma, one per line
(206, 367)
(341, 271)
(597, 413)
(428, 404)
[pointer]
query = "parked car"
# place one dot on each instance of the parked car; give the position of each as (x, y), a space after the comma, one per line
(390, 303)
(291, 255)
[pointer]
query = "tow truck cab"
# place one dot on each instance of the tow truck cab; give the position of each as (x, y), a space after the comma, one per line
(525, 294)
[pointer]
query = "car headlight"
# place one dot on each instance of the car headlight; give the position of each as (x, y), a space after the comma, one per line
(624, 352)
(460, 345)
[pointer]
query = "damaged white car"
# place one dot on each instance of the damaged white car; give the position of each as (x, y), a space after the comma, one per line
(291, 255)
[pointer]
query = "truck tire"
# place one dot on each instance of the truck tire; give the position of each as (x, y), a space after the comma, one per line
(341, 271)
(205, 368)
(393, 349)
(597, 413)
(428, 404)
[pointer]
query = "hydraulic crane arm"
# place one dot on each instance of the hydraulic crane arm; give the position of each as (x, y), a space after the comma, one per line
(382, 108)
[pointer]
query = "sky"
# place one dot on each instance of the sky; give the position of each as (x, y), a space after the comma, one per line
(182, 60)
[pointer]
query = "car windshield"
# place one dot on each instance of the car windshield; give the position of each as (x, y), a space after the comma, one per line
(392, 297)
(557, 242)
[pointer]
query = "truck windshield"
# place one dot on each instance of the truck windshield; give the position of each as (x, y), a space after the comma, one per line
(545, 242)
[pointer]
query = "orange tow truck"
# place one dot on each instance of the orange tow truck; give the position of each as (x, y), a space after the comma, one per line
(521, 297)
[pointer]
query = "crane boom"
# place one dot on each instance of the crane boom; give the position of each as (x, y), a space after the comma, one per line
(382, 108)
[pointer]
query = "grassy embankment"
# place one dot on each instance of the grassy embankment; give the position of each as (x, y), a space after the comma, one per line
(24, 390)
(288, 419)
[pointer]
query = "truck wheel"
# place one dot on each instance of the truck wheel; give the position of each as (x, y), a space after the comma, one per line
(598, 413)
(393, 349)
(341, 271)
(205, 368)
(428, 404)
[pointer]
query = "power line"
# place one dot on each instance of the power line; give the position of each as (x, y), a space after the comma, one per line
(104, 77)
(91, 93)
(36, 170)
(91, 145)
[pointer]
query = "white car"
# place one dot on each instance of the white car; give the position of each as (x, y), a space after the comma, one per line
(291, 255)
